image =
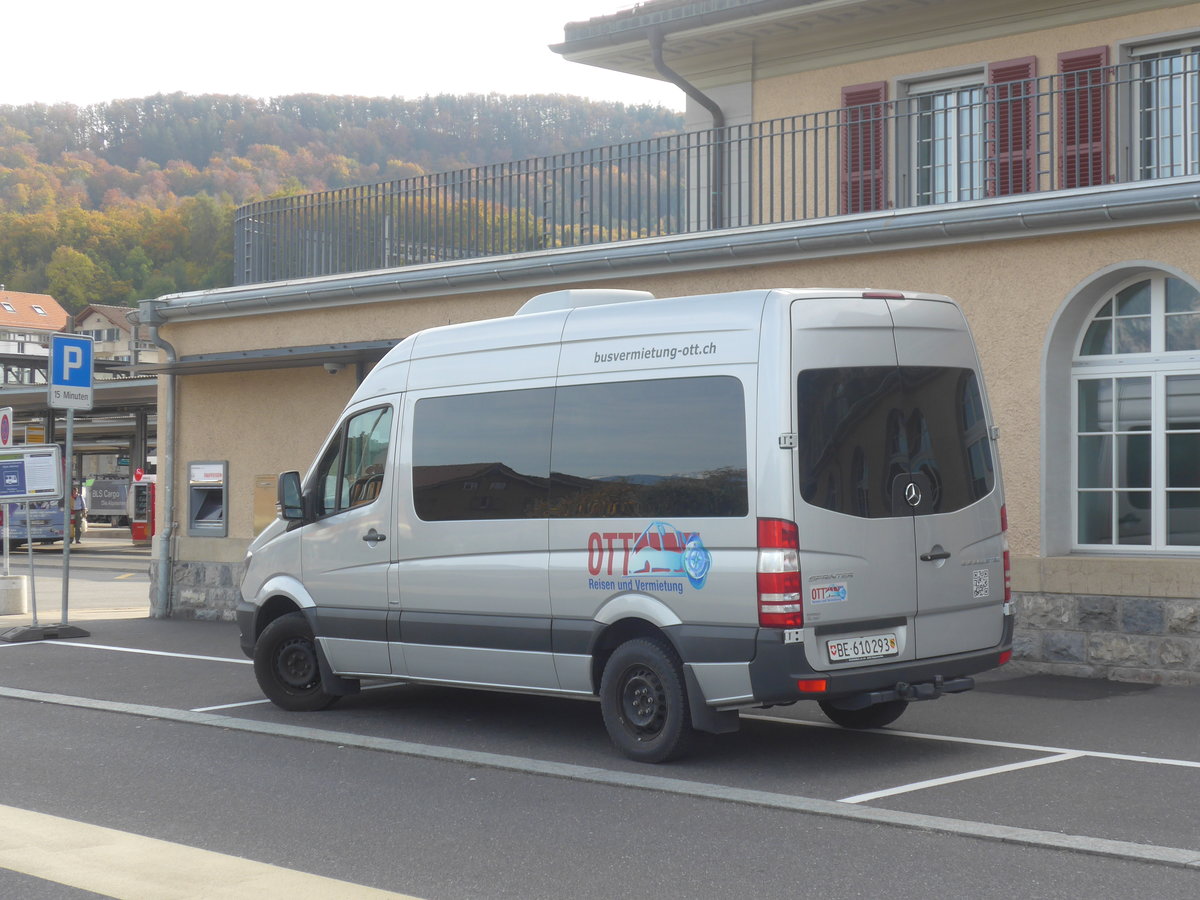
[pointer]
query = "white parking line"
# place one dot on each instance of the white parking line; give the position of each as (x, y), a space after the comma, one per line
(228, 659)
(965, 776)
(229, 705)
(982, 742)
(365, 687)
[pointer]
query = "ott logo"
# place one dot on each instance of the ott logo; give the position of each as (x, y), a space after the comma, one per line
(828, 593)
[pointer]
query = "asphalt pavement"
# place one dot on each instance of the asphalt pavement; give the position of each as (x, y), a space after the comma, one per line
(1034, 786)
(108, 577)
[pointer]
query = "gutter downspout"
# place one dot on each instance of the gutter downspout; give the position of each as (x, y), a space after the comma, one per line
(717, 168)
(149, 315)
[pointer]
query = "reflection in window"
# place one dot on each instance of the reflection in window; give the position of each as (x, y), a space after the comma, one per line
(665, 447)
(1137, 425)
(352, 469)
(464, 445)
(896, 421)
(653, 448)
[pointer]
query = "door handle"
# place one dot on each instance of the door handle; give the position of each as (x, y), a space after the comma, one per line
(373, 537)
(933, 557)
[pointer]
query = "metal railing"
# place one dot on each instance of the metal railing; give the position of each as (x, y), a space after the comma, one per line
(1095, 126)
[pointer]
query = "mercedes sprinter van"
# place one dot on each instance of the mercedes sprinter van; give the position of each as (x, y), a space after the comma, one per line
(685, 506)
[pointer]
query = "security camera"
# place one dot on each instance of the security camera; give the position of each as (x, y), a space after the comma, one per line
(334, 368)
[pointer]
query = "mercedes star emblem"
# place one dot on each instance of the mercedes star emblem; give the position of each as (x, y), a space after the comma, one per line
(912, 494)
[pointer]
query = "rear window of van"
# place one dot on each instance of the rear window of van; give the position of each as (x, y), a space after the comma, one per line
(862, 427)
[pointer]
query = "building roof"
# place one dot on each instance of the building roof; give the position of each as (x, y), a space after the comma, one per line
(713, 40)
(117, 315)
(20, 311)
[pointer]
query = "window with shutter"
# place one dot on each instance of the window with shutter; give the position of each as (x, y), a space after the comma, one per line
(862, 163)
(1010, 126)
(1083, 118)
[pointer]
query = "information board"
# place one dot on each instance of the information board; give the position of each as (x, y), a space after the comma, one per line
(30, 473)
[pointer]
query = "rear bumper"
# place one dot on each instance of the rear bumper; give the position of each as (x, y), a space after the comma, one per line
(777, 667)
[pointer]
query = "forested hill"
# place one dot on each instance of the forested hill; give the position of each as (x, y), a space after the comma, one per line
(120, 201)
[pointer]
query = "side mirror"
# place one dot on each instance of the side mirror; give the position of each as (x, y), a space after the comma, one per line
(289, 499)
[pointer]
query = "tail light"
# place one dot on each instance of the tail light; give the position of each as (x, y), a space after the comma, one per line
(779, 602)
(1007, 558)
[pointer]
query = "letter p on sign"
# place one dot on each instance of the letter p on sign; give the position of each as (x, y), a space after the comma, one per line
(72, 361)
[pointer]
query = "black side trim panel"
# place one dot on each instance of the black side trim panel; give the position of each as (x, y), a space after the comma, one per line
(245, 612)
(462, 630)
(714, 643)
(351, 624)
(575, 636)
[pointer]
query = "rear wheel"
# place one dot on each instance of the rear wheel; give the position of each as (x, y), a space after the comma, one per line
(644, 702)
(874, 716)
(285, 664)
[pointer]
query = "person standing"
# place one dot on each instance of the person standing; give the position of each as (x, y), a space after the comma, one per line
(77, 513)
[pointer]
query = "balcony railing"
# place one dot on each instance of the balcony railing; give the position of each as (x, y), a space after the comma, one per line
(998, 136)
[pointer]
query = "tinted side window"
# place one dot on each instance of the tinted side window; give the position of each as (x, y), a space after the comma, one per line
(860, 428)
(660, 448)
(482, 456)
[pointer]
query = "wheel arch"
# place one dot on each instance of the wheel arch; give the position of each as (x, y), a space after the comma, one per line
(278, 597)
(614, 634)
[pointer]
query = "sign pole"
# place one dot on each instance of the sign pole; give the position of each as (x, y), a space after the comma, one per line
(68, 511)
(36, 629)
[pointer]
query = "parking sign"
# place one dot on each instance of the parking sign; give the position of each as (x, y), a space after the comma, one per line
(70, 382)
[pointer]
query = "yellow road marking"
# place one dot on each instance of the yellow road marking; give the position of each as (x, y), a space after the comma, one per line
(134, 867)
(126, 575)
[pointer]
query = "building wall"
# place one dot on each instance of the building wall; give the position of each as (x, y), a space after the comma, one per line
(1013, 292)
(819, 89)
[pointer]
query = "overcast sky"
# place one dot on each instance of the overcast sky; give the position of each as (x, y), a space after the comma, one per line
(86, 52)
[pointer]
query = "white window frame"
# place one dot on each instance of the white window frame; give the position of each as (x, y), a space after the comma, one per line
(1158, 365)
(955, 187)
(1135, 53)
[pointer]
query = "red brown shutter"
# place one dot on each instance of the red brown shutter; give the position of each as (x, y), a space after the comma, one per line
(862, 171)
(1083, 111)
(1010, 126)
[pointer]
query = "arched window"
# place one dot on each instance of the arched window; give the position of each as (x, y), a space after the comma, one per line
(1136, 379)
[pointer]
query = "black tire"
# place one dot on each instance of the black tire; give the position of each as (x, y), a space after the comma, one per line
(285, 664)
(875, 716)
(644, 702)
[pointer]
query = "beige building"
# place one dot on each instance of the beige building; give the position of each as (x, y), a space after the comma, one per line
(1041, 164)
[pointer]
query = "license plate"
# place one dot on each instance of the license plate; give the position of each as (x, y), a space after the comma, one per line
(869, 646)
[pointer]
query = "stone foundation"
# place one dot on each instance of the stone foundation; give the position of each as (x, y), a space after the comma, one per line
(202, 590)
(1137, 639)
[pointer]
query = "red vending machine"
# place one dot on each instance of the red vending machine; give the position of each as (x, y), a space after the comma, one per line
(141, 508)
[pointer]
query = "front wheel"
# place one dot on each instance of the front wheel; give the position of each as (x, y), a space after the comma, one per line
(644, 702)
(285, 664)
(875, 716)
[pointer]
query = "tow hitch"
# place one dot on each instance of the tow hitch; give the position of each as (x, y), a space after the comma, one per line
(926, 690)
